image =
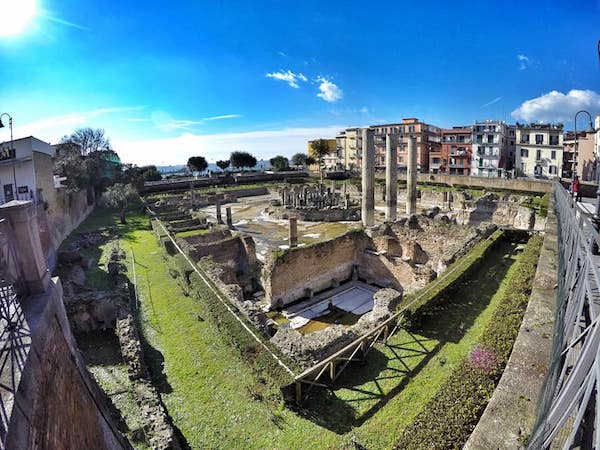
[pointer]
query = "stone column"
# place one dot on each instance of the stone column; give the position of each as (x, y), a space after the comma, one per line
(229, 220)
(411, 177)
(218, 206)
(368, 179)
(391, 179)
(24, 232)
(293, 232)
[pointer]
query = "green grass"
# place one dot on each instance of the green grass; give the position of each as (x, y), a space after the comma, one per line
(193, 232)
(218, 399)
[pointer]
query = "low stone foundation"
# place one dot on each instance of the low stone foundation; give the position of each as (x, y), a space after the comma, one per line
(315, 215)
(309, 349)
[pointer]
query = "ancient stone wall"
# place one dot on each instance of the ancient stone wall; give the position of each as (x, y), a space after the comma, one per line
(230, 251)
(65, 211)
(519, 184)
(58, 405)
(286, 277)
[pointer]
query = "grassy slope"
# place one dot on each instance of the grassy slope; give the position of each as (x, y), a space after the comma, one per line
(217, 402)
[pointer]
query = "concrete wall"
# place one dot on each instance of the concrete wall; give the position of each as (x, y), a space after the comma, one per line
(57, 405)
(519, 184)
(65, 211)
(286, 277)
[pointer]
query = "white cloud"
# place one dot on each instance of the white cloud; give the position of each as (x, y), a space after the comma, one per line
(523, 61)
(263, 144)
(558, 107)
(491, 102)
(57, 126)
(165, 122)
(329, 91)
(224, 116)
(364, 110)
(289, 77)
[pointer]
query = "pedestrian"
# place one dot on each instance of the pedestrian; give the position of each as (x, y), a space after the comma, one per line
(576, 189)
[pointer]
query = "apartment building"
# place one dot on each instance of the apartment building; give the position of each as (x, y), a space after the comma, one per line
(539, 150)
(454, 156)
(349, 147)
(490, 148)
(428, 139)
(19, 167)
(585, 159)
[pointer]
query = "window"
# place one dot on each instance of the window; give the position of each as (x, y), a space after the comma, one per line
(524, 139)
(512, 143)
(480, 138)
(538, 154)
(411, 128)
(524, 167)
(435, 160)
(524, 153)
(490, 138)
(553, 170)
(401, 159)
(553, 140)
(539, 139)
(553, 154)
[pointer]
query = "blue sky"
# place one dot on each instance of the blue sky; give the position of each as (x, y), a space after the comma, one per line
(168, 80)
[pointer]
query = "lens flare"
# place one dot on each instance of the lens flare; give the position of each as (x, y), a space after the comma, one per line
(15, 15)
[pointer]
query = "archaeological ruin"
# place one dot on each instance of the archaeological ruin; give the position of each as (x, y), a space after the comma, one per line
(294, 261)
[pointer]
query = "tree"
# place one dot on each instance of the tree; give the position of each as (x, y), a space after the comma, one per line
(70, 164)
(310, 161)
(137, 176)
(197, 164)
(242, 159)
(320, 148)
(280, 163)
(88, 161)
(88, 140)
(299, 159)
(223, 164)
(120, 196)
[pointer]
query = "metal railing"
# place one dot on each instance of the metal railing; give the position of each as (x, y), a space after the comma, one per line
(15, 336)
(568, 413)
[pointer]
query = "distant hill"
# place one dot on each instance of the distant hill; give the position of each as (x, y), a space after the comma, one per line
(177, 168)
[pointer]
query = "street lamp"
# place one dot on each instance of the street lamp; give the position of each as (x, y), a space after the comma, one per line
(590, 130)
(14, 154)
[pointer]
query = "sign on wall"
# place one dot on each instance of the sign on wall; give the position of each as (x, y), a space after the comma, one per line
(6, 153)
(23, 189)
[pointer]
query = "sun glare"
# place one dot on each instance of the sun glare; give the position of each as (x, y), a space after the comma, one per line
(15, 15)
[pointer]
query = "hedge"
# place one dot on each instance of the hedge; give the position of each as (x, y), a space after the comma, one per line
(450, 416)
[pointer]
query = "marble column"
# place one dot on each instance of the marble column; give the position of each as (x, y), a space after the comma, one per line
(411, 177)
(229, 219)
(293, 232)
(391, 179)
(218, 207)
(368, 178)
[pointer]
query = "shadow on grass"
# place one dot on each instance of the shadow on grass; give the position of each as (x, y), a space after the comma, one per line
(100, 348)
(366, 387)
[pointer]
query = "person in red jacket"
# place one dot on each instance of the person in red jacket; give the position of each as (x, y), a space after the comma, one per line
(576, 189)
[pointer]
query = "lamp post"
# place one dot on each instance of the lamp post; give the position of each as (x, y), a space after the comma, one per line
(590, 130)
(14, 154)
